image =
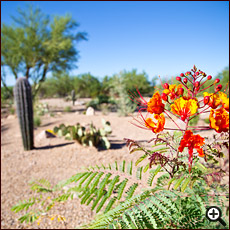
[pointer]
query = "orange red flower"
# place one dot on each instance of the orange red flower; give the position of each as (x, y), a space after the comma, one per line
(173, 91)
(214, 99)
(184, 107)
(156, 127)
(192, 142)
(219, 120)
(224, 100)
(155, 104)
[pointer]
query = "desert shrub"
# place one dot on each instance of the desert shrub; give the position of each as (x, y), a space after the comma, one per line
(87, 85)
(68, 109)
(184, 174)
(37, 121)
(97, 102)
(12, 110)
(6, 96)
(206, 120)
(194, 121)
(121, 97)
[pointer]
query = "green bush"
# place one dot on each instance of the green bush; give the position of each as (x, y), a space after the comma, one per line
(6, 96)
(206, 120)
(119, 94)
(68, 109)
(37, 121)
(99, 100)
(194, 121)
(12, 110)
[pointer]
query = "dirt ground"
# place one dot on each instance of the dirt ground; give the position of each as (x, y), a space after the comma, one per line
(57, 159)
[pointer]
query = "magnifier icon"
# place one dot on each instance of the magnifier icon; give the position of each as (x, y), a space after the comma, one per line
(214, 214)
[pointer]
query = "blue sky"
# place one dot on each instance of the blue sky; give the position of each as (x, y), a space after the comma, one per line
(160, 38)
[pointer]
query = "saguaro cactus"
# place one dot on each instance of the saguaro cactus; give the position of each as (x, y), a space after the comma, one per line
(73, 95)
(23, 100)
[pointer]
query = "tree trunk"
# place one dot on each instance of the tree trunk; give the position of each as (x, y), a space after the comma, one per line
(37, 87)
(27, 72)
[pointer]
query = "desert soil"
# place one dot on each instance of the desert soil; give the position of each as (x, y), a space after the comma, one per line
(57, 159)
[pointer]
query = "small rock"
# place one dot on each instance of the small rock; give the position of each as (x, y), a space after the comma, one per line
(43, 135)
(90, 111)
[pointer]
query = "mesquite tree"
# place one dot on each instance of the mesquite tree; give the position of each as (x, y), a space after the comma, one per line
(37, 45)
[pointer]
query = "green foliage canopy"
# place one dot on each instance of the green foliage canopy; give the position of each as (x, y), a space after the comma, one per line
(37, 45)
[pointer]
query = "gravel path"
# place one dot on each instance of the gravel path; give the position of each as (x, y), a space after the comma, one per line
(57, 159)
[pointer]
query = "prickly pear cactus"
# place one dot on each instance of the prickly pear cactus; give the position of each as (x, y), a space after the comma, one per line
(23, 101)
(86, 136)
(73, 96)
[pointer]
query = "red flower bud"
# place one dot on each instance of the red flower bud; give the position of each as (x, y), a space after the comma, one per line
(183, 117)
(166, 85)
(182, 75)
(197, 73)
(197, 83)
(185, 80)
(180, 91)
(217, 80)
(206, 100)
(219, 87)
(164, 96)
(209, 77)
(178, 78)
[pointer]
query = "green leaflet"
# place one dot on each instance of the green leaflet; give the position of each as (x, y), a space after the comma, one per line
(201, 167)
(103, 183)
(121, 188)
(122, 166)
(23, 205)
(86, 197)
(101, 203)
(146, 168)
(149, 214)
(111, 186)
(130, 168)
(84, 178)
(131, 190)
(97, 199)
(153, 173)
(178, 182)
(96, 180)
(184, 185)
(161, 149)
(89, 180)
(170, 181)
(116, 166)
(140, 159)
(128, 221)
(139, 173)
(135, 149)
(110, 204)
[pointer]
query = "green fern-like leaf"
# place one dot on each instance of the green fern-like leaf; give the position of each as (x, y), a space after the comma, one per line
(130, 168)
(131, 190)
(121, 188)
(139, 172)
(140, 159)
(153, 173)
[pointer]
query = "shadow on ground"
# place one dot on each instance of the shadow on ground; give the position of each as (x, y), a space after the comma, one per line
(53, 146)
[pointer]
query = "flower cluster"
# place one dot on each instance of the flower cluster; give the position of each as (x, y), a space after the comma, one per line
(184, 104)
